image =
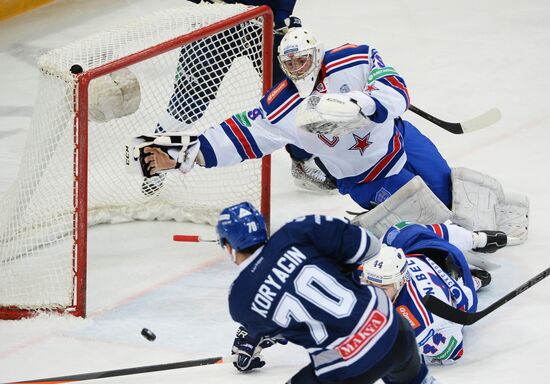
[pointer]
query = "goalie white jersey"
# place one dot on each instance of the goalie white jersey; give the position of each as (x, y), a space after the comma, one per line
(368, 153)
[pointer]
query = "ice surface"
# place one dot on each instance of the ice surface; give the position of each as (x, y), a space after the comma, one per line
(459, 60)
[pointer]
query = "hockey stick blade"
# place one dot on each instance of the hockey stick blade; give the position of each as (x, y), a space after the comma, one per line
(444, 310)
(485, 120)
(131, 371)
(482, 121)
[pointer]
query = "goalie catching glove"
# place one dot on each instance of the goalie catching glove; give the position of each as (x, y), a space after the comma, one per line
(334, 113)
(248, 349)
(148, 155)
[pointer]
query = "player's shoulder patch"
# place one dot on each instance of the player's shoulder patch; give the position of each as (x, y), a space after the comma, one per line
(346, 56)
(276, 90)
(280, 100)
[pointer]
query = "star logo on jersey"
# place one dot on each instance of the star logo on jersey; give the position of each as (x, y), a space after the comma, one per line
(371, 88)
(361, 143)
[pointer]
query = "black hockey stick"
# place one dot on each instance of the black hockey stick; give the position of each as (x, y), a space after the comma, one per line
(482, 121)
(129, 371)
(455, 315)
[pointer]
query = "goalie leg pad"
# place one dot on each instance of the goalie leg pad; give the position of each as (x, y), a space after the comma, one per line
(480, 203)
(413, 202)
(475, 196)
(513, 216)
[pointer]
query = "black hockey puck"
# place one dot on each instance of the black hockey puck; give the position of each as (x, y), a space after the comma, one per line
(148, 334)
(76, 69)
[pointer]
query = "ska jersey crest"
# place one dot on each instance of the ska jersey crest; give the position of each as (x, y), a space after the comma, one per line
(321, 87)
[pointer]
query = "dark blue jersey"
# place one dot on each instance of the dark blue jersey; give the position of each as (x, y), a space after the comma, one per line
(294, 286)
(281, 8)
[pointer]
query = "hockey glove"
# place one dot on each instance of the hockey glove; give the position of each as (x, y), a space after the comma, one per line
(148, 155)
(289, 22)
(333, 114)
(248, 349)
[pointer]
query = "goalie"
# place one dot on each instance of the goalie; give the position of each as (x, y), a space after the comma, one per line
(343, 106)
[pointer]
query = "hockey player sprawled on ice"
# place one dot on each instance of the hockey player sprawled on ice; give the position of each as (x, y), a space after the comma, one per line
(343, 106)
(418, 260)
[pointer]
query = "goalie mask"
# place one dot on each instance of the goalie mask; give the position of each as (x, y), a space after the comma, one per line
(241, 226)
(388, 268)
(300, 57)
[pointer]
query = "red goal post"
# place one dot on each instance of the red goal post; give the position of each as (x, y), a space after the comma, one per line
(37, 237)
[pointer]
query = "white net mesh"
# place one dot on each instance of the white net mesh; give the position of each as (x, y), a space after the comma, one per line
(199, 84)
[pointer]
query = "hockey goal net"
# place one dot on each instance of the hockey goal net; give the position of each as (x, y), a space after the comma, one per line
(73, 173)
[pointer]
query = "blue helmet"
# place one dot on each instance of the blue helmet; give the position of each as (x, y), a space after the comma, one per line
(242, 226)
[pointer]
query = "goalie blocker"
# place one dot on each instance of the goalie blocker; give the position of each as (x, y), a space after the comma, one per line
(479, 203)
(147, 155)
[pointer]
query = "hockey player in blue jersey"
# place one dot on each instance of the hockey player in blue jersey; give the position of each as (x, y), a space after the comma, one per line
(292, 286)
(344, 106)
(419, 260)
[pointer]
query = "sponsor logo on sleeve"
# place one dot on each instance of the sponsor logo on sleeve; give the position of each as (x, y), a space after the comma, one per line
(356, 342)
(275, 92)
(345, 46)
(379, 73)
(404, 311)
(243, 119)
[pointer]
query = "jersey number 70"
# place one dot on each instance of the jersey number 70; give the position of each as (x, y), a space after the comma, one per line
(320, 289)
